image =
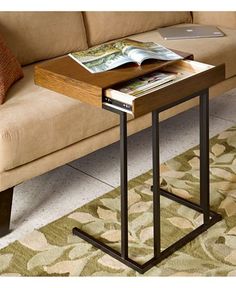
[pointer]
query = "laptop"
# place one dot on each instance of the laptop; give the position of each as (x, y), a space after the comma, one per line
(190, 32)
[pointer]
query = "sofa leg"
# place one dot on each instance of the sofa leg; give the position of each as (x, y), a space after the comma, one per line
(5, 211)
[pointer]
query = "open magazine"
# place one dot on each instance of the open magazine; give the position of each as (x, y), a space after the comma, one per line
(111, 55)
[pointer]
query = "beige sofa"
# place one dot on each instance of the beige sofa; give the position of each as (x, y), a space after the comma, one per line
(41, 130)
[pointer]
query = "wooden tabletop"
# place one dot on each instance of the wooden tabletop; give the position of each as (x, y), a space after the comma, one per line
(66, 76)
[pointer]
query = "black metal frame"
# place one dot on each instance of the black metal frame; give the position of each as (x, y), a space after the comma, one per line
(209, 217)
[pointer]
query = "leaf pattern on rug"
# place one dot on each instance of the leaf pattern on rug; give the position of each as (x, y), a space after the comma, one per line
(73, 267)
(106, 214)
(181, 222)
(79, 250)
(45, 258)
(111, 263)
(54, 251)
(5, 260)
(82, 217)
(36, 241)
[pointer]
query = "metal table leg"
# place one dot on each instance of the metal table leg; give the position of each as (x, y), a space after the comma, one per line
(124, 185)
(156, 185)
(204, 156)
(210, 217)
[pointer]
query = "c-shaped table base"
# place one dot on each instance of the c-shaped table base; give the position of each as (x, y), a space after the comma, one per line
(209, 217)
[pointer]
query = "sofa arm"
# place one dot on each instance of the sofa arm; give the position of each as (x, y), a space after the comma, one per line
(223, 19)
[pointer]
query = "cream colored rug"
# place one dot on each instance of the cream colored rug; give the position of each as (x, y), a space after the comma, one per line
(54, 251)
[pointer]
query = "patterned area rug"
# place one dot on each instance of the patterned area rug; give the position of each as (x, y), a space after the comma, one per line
(54, 251)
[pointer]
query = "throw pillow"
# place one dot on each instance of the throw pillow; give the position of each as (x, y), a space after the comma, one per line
(10, 69)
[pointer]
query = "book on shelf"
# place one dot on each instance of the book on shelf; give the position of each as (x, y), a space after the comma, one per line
(125, 93)
(108, 56)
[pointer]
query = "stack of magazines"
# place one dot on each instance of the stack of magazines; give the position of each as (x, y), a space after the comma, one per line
(124, 94)
(141, 84)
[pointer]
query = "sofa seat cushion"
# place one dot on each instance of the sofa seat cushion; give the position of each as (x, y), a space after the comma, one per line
(35, 122)
(209, 50)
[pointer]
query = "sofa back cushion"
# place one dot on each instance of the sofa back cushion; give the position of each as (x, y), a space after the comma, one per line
(35, 36)
(224, 19)
(105, 26)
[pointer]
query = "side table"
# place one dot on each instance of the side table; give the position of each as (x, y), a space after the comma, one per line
(65, 76)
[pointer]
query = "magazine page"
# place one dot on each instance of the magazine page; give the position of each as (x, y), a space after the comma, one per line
(101, 58)
(143, 83)
(151, 51)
